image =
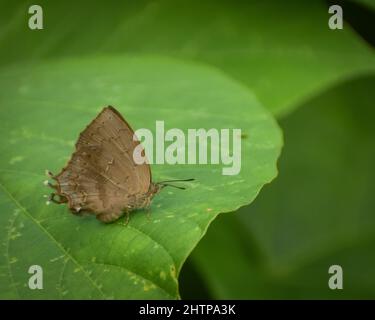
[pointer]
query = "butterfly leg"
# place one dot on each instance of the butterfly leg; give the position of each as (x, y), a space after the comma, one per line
(127, 217)
(148, 213)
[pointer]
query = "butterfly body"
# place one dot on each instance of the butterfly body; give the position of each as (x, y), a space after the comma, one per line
(130, 203)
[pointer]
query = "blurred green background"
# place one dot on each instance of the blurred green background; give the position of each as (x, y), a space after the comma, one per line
(318, 83)
(318, 212)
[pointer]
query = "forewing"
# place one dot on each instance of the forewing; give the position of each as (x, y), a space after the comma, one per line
(102, 176)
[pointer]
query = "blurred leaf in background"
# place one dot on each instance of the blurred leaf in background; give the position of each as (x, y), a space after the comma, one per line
(319, 212)
(368, 3)
(283, 51)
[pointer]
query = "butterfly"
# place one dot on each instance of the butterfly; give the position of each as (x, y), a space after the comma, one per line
(102, 177)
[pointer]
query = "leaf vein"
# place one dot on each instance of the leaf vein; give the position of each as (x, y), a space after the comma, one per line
(66, 252)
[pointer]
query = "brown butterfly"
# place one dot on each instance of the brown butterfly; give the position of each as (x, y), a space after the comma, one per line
(102, 177)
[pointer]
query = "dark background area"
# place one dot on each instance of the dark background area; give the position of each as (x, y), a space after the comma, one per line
(192, 282)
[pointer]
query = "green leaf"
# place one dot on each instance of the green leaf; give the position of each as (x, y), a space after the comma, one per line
(319, 212)
(283, 51)
(45, 106)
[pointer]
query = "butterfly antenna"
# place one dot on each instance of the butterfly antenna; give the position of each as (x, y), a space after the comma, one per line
(171, 185)
(177, 180)
(166, 183)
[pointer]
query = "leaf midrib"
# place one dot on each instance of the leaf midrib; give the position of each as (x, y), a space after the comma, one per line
(27, 214)
(63, 250)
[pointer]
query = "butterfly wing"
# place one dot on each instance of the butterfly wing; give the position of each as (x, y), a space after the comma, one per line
(102, 177)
